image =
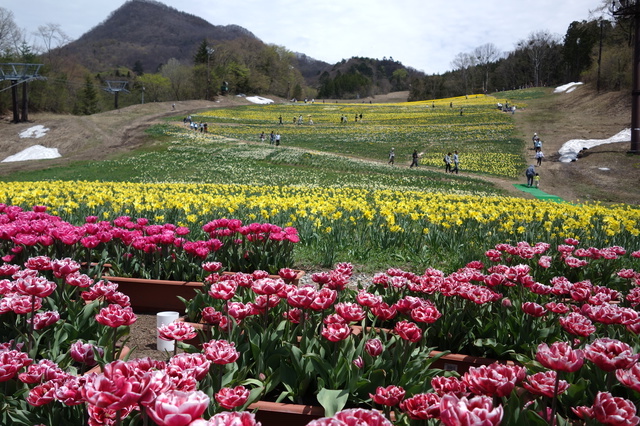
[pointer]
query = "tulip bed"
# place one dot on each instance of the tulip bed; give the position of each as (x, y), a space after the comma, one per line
(567, 314)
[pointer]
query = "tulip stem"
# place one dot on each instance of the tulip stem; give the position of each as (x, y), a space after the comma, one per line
(554, 403)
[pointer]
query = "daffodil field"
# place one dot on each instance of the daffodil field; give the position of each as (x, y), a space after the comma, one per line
(330, 180)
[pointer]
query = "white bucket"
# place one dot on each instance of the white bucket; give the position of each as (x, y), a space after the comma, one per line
(163, 318)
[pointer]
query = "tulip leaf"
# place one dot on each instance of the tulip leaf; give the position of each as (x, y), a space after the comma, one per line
(332, 400)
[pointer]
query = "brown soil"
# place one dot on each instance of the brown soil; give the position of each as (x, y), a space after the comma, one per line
(582, 114)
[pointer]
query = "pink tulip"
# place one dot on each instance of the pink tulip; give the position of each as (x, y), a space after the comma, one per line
(68, 392)
(577, 324)
(324, 299)
(196, 364)
(560, 357)
(45, 319)
(422, 406)
(610, 354)
(35, 286)
(42, 394)
(212, 266)
(115, 316)
(64, 267)
(544, 384)
(425, 314)
(630, 377)
(45, 370)
(113, 393)
(229, 418)
(231, 398)
(408, 331)
(177, 331)
(351, 312)
(287, 274)
(389, 396)
(353, 416)
(220, 351)
(84, 353)
(223, 290)
(176, 408)
(444, 385)
(39, 263)
(533, 309)
(335, 332)
(611, 410)
(494, 379)
(478, 410)
(267, 286)
(23, 304)
(373, 347)
(301, 297)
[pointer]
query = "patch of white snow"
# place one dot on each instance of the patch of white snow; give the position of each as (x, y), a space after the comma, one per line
(570, 149)
(259, 100)
(567, 88)
(36, 152)
(34, 132)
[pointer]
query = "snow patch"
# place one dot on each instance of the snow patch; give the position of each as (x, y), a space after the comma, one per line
(36, 152)
(259, 100)
(34, 132)
(567, 88)
(570, 149)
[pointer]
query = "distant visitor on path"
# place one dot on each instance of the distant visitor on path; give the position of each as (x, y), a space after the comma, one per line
(447, 163)
(530, 173)
(392, 156)
(539, 157)
(277, 139)
(535, 139)
(456, 161)
(414, 159)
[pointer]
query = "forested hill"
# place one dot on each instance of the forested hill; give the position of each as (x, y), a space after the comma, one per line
(150, 33)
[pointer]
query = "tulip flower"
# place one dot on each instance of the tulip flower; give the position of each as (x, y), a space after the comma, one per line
(176, 408)
(478, 410)
(610, 354)
(560, 357)
(610, 410)
(422, 406)
(231, 398)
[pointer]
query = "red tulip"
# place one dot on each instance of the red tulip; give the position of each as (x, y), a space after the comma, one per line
(426, 314)
(229, 418)
(560, 357)
(533, 309)
(389, 396)
(35, 286)
(84, 353)
(444, 385)
(351, 312)
(42, 394)
(223, 290)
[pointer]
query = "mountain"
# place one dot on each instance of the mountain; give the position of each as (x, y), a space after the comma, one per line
(150, 33)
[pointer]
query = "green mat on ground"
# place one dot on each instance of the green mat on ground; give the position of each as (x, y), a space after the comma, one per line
(539, 194)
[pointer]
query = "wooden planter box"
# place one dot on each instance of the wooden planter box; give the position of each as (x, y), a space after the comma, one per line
(156, 295)
(162, 295)
(276, 413)
(461, 363)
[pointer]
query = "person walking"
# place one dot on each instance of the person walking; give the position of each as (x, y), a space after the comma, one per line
(414, 158)
(272, 138)
(447, 163)
(456, 161)
(277, 139)
(530, 173)
(539, 157)
(535, 139)
(536, 180)
(392, 156)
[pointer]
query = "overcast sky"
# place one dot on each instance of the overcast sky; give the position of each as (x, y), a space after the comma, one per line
(423, 34)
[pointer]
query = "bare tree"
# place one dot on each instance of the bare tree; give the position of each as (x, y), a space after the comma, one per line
(464, 62)
(539, 47)
(10, 34)
(485, 55)
(51, 38)
(178, 76)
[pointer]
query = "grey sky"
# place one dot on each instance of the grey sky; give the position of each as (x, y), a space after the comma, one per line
(423, 34)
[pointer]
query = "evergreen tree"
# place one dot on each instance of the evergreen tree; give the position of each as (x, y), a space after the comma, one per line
(88, 102)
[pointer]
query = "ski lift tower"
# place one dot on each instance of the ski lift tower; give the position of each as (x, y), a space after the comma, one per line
(631, 9)
(20, 74)
(116, 87)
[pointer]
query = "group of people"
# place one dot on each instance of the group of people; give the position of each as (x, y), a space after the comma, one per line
(274, 138)
(203, 127)
(450, 159)
(533, 177)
